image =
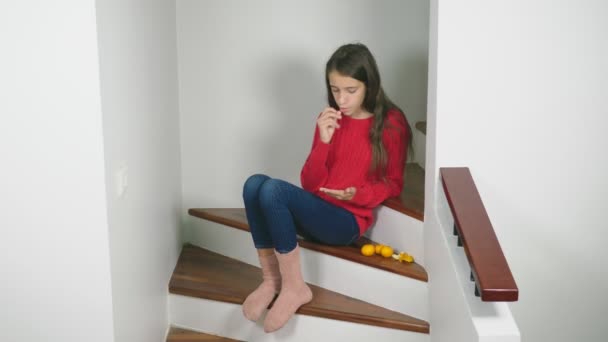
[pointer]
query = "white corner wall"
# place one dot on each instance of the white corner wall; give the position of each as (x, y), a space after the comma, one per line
(521, 100)
(138, 63)
(252, 81)
(54, 252)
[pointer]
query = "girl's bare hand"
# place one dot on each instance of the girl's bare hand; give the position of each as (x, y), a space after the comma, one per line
(328, 123)
(344, 195)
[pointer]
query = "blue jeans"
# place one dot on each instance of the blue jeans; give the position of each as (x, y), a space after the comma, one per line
(277, 211)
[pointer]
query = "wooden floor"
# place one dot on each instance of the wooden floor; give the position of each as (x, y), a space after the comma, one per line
(203, 274)
(183, 335)
(236, 218)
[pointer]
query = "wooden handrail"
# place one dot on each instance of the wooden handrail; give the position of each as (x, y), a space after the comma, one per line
(489, 268)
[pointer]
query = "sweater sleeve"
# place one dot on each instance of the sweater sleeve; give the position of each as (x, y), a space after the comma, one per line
(314, 172)
(373, 192)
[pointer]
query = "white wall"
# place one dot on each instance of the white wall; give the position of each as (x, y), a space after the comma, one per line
(521, 100)
(54, 253)
(138, 56)
(252, 81)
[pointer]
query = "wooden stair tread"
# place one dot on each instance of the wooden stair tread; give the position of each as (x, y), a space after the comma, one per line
(235, 217)
(204, 274)
(421, 126)
(183, 335)
(411, 200)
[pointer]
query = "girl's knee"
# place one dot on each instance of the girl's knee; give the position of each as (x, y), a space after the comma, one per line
(252, 185)
(270, 192)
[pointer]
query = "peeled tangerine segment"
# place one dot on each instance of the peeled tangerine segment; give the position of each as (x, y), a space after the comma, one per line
(403, 257)
(408, 258)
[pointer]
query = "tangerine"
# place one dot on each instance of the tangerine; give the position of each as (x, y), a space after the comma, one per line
(386, 251)
(368, 250)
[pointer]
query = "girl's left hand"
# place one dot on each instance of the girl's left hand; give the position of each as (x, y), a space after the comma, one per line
(344, 195)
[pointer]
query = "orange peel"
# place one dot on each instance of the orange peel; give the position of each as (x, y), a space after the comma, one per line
(401, 257)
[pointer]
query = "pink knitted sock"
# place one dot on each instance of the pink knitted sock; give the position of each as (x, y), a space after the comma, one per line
(294, 291)
(258, 300)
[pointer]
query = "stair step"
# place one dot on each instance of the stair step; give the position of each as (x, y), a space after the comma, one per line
(203, 274)
(421, 126)
(411, 200)
(183, 335)
(235, 217)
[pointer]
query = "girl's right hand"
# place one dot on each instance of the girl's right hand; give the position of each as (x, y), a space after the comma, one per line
(328, 123)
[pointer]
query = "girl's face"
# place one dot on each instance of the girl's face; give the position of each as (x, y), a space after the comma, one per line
(349, 94)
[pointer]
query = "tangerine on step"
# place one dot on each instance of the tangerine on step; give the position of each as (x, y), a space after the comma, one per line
(386, 251)
(368, 250)
(378, 248)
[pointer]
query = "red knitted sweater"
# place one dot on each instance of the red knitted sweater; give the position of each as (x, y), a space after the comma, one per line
(346, 161)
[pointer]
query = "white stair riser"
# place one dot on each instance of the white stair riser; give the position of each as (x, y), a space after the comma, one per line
(227, 320)
(382, 288)
(399, 231)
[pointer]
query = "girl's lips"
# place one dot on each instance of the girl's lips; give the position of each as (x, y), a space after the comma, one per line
(343, 110)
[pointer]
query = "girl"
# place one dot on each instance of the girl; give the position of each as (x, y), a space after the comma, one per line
(356, 162)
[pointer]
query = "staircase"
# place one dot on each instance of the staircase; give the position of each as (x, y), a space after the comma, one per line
(355, 297)
(184, 335)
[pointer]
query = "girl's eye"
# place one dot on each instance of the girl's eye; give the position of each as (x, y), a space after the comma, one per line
(352, 91)
(334, 90)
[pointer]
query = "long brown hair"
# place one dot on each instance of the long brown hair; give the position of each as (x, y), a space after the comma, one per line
(356, 61)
